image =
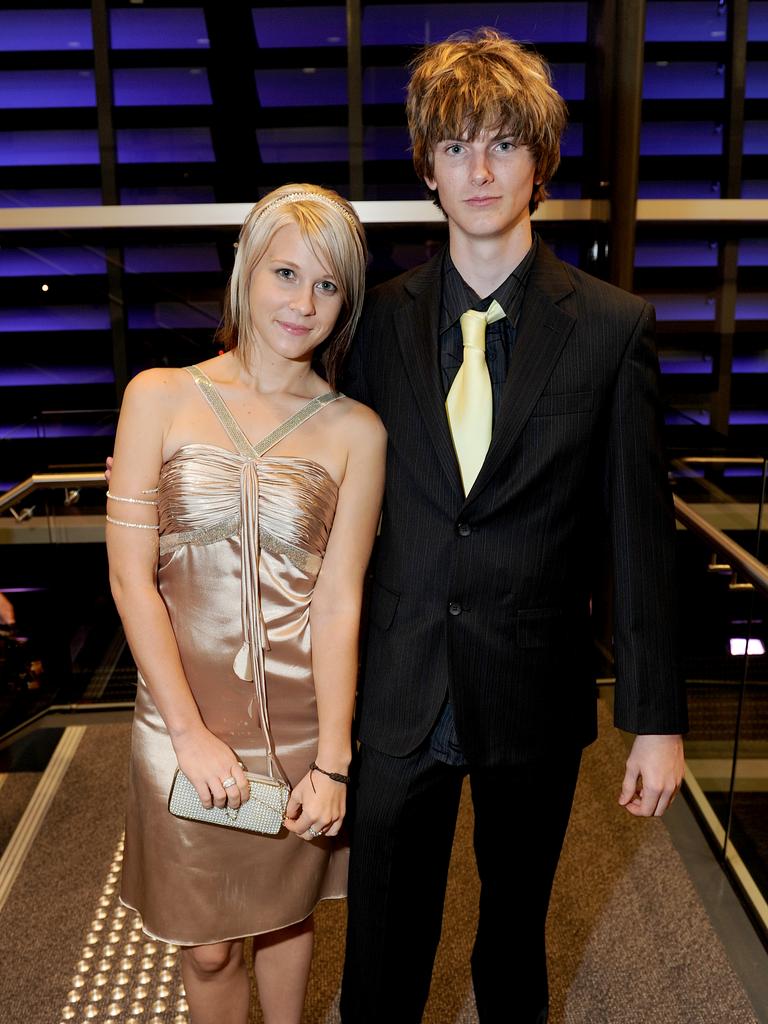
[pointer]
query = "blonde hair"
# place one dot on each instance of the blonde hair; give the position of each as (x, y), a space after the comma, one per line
(485, 82)
(332, 230)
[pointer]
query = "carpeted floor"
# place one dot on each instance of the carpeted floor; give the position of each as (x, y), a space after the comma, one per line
(629, 940)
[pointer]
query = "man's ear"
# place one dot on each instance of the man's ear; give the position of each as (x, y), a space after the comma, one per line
(431, 184)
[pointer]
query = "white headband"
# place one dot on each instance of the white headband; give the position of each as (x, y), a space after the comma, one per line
(316, 197)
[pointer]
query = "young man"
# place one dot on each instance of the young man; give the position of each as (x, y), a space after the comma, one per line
(503, 474)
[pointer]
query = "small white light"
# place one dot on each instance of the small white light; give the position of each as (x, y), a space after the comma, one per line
(740, 646)
(44, 287)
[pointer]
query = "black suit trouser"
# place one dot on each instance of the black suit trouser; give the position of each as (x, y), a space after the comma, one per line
(403, 821)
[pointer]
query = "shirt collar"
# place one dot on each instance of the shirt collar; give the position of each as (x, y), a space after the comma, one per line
(458, 297)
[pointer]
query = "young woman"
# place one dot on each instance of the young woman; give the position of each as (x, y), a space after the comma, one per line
(242, 509)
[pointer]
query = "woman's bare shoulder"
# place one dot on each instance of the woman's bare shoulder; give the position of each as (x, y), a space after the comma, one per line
(354, 415)
(163, 381)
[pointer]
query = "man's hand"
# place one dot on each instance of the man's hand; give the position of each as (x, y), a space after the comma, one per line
(655, 769)
(108, 469)
(7, 614)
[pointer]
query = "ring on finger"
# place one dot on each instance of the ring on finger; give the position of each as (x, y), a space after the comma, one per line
(229, 781)
(314, 832)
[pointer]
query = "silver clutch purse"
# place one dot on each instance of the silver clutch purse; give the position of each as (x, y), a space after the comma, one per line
(263, 812)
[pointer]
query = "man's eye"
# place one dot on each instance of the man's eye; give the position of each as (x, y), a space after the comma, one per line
(455, 148)
(506, 147)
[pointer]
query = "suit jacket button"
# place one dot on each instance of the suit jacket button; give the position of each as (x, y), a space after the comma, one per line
(454, 608)
(464, 529)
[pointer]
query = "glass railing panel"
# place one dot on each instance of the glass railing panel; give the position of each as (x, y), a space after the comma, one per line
(749, 814)
(67, 648)
(724, 629)
(728, 490)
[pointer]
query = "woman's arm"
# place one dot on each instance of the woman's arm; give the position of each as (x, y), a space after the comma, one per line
(318, 801)
(145, 417)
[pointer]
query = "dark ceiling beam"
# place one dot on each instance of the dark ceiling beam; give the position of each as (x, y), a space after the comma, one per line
(355, 100)
(232, 60)
(728, 259)
(110, 192)
(629, 39)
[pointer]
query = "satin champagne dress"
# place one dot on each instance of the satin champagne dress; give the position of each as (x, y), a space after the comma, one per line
(242, 537)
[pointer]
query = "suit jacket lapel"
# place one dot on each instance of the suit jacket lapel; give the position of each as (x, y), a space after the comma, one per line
(542, 332)
(417, 325)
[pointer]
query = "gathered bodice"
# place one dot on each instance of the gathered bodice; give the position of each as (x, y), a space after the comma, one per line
(200, 496)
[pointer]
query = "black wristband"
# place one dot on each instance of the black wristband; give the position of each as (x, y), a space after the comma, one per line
(336, 776)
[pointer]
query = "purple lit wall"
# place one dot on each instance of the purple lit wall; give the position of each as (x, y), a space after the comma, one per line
(69, 428)
(277, 27)
(138, 195)
(28, 90)
(684, 362)
(51, 262)
(752, 189)
(755, 138)
(48, 148)
(753, 252)
(683, 80)
(145, 28)
(175, 316)
(415, 23)
(36, 30)
(79, 260)
(679, 189)
(683, 307)
(397, 24)
(701, 362)
(687, 418)
(681, 138)
(171, 259)
(164, 145)
(55, 318)
(49, 197)
(758, 21)
(681, 21)
(44, 376)
(161, 87)
(693, 253)
(307, 87)
(757, 80)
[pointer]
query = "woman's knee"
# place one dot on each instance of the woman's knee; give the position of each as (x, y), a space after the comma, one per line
(214, 959)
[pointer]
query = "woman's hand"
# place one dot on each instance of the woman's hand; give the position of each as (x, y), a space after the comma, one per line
(208, 763)
(316, 803)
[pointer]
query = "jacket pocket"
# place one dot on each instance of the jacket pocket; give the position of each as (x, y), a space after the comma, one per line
(383, 605)
(567, 402)
(540, 627)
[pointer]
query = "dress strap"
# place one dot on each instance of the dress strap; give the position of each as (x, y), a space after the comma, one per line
(220, 410)
(232, 427)
(306, 412)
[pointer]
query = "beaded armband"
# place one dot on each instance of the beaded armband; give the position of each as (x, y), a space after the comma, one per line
(133, 501)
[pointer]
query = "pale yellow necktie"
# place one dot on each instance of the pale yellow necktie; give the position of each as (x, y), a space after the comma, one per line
(470, 401)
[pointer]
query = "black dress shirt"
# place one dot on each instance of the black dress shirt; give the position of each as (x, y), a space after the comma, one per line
(457, 298)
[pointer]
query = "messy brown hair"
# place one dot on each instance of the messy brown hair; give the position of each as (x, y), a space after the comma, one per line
(485, 82)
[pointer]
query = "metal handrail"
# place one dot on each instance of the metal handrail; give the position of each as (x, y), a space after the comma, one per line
(740, 561)
(42, 481)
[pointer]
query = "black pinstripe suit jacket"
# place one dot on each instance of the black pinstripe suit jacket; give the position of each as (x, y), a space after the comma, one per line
(488, 596)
